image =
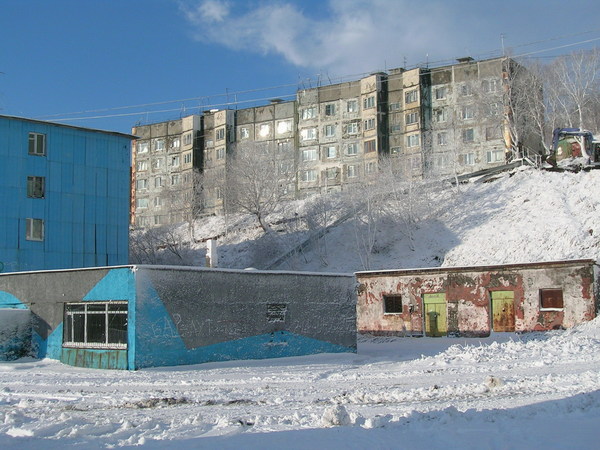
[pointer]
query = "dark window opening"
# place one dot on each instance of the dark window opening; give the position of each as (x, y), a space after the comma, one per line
(551, 298)
(392, 304)
(96, 325)
(276, 312)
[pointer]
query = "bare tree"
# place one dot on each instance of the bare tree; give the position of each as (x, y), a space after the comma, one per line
(259, 180)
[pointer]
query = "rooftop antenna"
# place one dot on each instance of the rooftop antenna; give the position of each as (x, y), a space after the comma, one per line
(502, 42)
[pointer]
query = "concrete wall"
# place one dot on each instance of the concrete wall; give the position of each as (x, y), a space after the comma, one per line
(468, 293)
(186, 316)
(182, 315)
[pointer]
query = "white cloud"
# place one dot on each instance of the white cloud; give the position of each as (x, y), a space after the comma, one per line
(356, 36)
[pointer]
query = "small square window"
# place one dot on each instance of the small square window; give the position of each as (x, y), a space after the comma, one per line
(551, 299)
(392, 304)
(276, 312)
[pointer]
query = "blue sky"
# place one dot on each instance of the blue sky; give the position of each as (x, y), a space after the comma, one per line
(110, 64)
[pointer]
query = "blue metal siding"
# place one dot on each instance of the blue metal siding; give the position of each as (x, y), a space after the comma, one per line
(82, 168)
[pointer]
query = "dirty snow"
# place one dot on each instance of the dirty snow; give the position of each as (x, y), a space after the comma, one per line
(506, 391)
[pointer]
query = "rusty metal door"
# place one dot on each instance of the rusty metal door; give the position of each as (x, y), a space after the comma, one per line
(435, 314)
(503, 310)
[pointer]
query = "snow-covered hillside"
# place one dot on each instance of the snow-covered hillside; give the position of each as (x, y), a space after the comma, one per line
(539, 390)
(524, 216)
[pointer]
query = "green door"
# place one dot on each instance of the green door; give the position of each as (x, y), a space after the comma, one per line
(503, 310)
(435, 310)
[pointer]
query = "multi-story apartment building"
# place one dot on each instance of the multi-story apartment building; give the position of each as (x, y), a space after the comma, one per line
(167, 158)
(64, 192)
(433, 122)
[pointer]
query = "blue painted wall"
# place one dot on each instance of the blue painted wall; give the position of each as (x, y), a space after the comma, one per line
(86, 204)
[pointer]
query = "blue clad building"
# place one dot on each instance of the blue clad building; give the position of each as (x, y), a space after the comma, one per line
(64, 196)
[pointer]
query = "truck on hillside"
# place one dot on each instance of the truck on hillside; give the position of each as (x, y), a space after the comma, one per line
(573, 149)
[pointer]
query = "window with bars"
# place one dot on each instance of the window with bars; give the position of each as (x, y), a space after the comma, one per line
(95, 325)
(392, 304)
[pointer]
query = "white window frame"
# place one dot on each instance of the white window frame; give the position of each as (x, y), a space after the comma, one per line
(308, 134)
(309, 154)
(411, 118)
(413, 140)
(85, 310)
(369, 102)
(309, 175)
(34, 229)
(142, 147)
(352, 149)
(352, 171)
(329, 130)
(331, 151)
(37, 144)
(352, 106)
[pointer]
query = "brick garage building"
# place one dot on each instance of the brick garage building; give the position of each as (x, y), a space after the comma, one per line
(474, 301)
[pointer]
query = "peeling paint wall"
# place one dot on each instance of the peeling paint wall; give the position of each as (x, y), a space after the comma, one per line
(470, 296)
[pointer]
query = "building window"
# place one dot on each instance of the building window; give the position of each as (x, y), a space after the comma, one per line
(392, 304)
(395, 106)
(352, 128)
(331, 173)
(411, 96)
(175, 161)
(468, 135)
(276, 312)
(209, 143)
(466, 90)
(352, 149)
(492, 133)
(494, 156)
(352, 171)
(36, 187)
(370, 167)
(370, 146)
(396, 150)
(551, 299)
(442, 160)
(158, 182)
(141, 184)
(176, 143)
(309, 155)
(159, 145)
(330, 109)
(440, 93)
(37, 144)
(469, 159)
(412, 140)
(220, 134)
(175, 179)
(440, 115)
(264, 129)
(96, 325)
(309, 113)
(411, 118)
(369, 124)
(244, 133)
(157, 201)
(284, 126)
(467, 112)
(369, 102)
(141, 202)
(187, 139)
(142, 165)
(309, 175)
(442, 138)
(221, 153)
(352, 106)
(395, 128)
(34, 230)
(329, 130)
(331, 151)
(284, 146)
(490, 86)
(187, 158)
(308, 134)
(142, 147)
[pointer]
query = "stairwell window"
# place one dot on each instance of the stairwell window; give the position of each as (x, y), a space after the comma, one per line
(494, 156)
(37, 144)
(95, 325)
(36, 187)
(34, 229)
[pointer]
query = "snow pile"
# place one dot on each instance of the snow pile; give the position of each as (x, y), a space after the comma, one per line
(527, 215)
(543, 387)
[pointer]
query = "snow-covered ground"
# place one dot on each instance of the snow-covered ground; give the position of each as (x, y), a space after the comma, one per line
(507, 391)
(539, 390)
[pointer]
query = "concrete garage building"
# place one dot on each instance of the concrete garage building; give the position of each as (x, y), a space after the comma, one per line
(474, 301)
(131, 317)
